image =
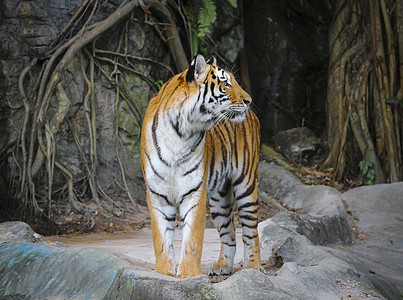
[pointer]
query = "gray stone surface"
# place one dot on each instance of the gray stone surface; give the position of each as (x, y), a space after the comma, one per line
(18, 231)
(55, 271)
(321, 258)
(300, 144)
(378, 211)
(147, 284)
(309, 271)
(276, 181)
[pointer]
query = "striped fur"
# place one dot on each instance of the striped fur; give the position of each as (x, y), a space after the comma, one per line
(200, 141)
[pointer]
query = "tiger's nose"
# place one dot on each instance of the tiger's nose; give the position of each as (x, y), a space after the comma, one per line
(247, 101)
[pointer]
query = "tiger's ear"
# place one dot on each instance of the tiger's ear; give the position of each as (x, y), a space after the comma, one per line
(212, 61)
(197, 70)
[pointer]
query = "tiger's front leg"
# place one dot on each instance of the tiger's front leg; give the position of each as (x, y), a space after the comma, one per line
(163, 224)
(193, 216)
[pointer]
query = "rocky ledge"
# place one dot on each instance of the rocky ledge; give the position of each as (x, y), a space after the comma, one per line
(320, 256)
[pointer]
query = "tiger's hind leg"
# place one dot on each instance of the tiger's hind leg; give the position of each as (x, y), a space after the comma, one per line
(247, 199)
(221, 210)
(162, 227)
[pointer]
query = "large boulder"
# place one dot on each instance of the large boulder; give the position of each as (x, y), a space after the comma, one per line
(377, 211)
(313, 243)
(56, 271)
(19, 231)
(50, 271)
(300, 144)
(325, 219)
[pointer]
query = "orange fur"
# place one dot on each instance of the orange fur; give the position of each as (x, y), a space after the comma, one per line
(165, 132)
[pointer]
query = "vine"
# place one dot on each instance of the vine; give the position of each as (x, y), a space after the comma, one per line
(39, 165)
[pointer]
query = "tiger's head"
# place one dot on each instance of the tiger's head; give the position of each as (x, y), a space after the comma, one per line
(214, 94)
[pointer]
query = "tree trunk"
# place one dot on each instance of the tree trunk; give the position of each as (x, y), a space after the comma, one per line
(363, 81)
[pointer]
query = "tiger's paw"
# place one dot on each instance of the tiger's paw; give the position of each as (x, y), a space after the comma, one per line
(166, 269)
(185, 271)
(257, 267)
(220, 269)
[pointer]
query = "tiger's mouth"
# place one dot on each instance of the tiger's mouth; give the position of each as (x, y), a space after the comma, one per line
(236, 115)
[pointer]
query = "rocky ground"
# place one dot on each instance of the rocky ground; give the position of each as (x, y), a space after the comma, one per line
(309, 248)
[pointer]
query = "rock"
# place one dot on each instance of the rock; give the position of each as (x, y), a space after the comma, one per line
(52, 271)
(249, 284)
(275, 180)
(325, 221)
(147, 284)
(300, 145)
(377, 211)
(309, 271)
(18, 231)
(321, 258)
(268, 154)
(378, 208)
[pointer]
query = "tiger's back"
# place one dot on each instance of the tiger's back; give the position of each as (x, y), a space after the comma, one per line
(200, 143)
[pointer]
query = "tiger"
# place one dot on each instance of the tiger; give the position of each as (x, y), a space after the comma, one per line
(200, 142)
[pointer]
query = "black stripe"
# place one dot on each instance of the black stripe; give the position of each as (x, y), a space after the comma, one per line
(169, 219)
(235, 147)
(215, 181)
(250, 237)
(253, 226)
(191, 191)
(194, 168)
(252, 212)
(189, 116)
(225, 225)
(212, 160)
(152, 167)
(239, 180)
(248, 204)
(197, 143)
(184, 217)
(224, 192)
(190, 73)
(248, 192)
(216, 214)
(245, 147)
(155, 140)
(205, 93)
(221, 137)
(212, 88)
(203, 109)
(228, 134)
(175, 125)
(226, 206)
(228, 244)
(188, 155)
(224, 233)
(161, 195)
(248, 217)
